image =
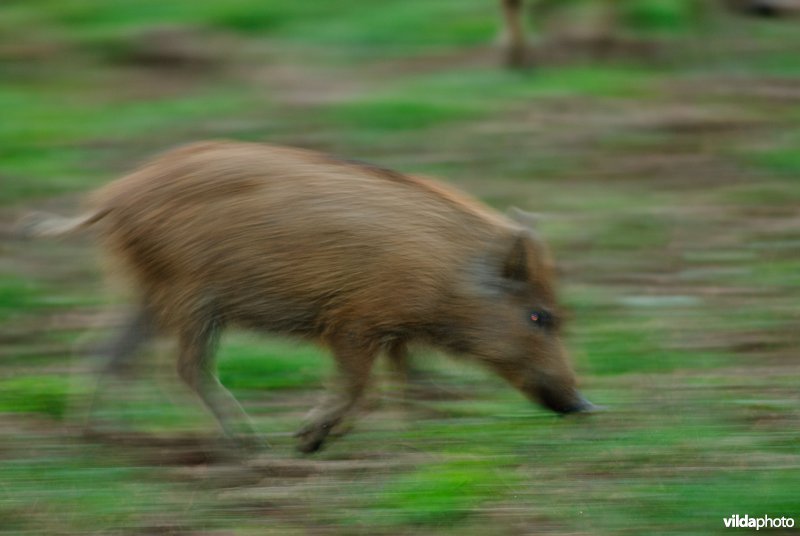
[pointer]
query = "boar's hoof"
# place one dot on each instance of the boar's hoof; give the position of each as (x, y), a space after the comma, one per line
(312, 437)
(310, 446)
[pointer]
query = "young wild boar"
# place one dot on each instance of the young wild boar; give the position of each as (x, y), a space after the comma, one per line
(357, 258)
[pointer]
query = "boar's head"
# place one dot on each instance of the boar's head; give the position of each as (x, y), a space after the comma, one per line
(514, 323)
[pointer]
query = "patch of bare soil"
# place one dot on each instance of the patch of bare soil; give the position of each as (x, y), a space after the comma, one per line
(772, 91)
(165, 449)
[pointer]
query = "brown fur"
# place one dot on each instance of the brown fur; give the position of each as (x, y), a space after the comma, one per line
(353, 256)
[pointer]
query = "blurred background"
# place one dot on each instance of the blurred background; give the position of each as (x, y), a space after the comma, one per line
(659, 138)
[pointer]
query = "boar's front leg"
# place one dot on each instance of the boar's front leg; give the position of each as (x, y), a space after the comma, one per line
(197, 346)
(355, 363)
(400, 367)
(406, 380)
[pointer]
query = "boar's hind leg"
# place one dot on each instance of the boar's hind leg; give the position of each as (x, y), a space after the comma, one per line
(196, 368)
(355, 364)
(118, 354)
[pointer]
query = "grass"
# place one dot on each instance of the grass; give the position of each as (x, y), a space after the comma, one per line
(57, 137)
(491, 88)
(21, 298)
(682, 293)
(17, 294)
(396, 115)
(73, 493)
(271, 364)
(783, 161)
(44, 394)
(439, 495)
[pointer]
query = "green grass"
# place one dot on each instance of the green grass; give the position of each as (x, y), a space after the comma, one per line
(21, 297)
(80, 492)
(782, 161)
(618, 349)
(35, 394)
(349, 24)
(440, 494)
(247, 364)
(17, 295)
(396, 115)
(666, 16)
(439, 101)
(490, 88)
(59, 139)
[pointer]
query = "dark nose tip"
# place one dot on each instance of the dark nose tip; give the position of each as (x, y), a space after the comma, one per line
(581, 406)
(566, 404)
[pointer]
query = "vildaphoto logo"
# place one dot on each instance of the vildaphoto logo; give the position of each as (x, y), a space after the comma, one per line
(763, 522)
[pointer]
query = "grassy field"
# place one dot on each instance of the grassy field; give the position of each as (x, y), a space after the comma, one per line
(671, 194)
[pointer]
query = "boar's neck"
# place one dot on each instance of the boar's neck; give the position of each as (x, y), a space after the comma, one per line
(475, 292)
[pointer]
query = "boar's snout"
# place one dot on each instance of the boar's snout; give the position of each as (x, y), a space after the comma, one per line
(564, 402)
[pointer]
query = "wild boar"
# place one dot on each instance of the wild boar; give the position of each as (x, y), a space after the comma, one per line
(355, 257)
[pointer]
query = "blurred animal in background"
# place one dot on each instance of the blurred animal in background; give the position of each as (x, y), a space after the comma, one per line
(514, 32)
(598, 24)
(360, 259)
(765, 8)
(592, 24)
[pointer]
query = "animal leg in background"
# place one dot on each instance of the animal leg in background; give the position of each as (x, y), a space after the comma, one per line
(514, 32)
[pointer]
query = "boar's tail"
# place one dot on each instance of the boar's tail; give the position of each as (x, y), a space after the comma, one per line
(39, 224)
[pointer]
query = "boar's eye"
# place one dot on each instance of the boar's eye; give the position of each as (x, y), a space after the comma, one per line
(542, 319)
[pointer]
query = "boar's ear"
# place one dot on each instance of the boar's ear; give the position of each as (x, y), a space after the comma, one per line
(526, 219)
(515, 264)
